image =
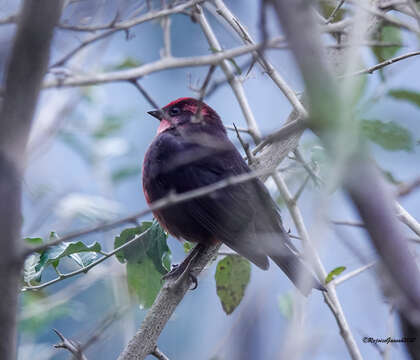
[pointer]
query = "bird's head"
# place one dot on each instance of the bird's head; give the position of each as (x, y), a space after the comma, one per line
(188, 113)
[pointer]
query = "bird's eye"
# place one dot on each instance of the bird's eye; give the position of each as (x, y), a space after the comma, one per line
(175, 111)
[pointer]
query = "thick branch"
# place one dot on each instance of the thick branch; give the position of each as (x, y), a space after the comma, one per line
(26, 68)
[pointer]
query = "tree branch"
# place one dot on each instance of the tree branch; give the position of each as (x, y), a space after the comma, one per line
(26, 67)
(159, 65)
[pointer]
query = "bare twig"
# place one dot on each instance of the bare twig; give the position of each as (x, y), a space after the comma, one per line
(144, 341)
(233, 80)
(381, 65)
(127, 24)
(334, 12)
(166, 29)
(84, 269)
(145, 94)
(282, 133)
(245, 146)
(330, 297)
(339, 280)
(405, 217)
(389, 19)
(224, 12)
(406, 188)
(159, 65)
(160, 204)
(70, 345)
(158, 354)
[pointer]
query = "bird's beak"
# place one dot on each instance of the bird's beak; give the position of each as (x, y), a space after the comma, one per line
(158, 114)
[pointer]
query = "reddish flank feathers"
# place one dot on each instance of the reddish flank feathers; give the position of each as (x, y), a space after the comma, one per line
(188, 154)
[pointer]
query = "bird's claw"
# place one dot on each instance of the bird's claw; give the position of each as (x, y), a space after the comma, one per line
(177, 270)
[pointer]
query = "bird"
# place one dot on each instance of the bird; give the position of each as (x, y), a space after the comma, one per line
(192, 149)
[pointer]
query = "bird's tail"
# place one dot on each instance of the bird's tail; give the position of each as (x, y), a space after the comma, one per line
(298, 272)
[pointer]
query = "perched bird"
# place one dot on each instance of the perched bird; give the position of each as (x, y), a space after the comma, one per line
(192, 150)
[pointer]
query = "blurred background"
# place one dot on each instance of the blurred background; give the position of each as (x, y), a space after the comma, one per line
(84, 167)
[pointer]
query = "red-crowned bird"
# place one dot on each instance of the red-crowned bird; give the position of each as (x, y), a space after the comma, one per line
(192, 150)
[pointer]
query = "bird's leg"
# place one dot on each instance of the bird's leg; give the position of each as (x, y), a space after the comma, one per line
(179, 270)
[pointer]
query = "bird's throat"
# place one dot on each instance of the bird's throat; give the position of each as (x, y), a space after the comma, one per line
(164, 125)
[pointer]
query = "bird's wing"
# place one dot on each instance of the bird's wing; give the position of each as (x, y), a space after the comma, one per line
(230, 214)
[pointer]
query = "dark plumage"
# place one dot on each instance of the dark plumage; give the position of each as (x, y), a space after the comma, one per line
(192, 150)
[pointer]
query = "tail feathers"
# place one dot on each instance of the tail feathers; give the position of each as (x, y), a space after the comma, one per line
(298, 272)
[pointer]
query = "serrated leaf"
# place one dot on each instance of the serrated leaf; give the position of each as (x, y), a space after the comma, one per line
(232, 277)
(407, 95)
(387, 34)
(389, 135)
(124, 173)
(333, 273)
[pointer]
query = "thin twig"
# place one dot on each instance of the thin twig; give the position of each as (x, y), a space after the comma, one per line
(245, 146)
(382, 64)
(406, 188)
(334, 12)
(145, 94)
(166, 29)
(330, 296)
(127, 24)
(70, 345)
(85, 269)
(405, 217)
(389, 19)
(158, 354)
(339, 280)
(157, 205)
(234, 82)
(227, 15)
(159, 65)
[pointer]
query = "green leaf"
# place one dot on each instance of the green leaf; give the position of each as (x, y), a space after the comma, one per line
(232, 277)
(333, 273)
(187, 246)
(407, 95)
(110, 125)
(74, 250)
(124, 173)
(147, 260)
(387, 34)
(388, 135)
(144, 281)
(34, 241)
(135, 250)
